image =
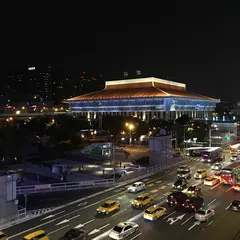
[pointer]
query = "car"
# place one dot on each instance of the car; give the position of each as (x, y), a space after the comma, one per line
(39, 234)
(217, 175)
(203, 215)
(193, 191)
(236, 187)
(3, 236)
(108, 207)
(179, 185)
(75, 234)
(192, 204)
(200, 174)
(142, 200)
(235, 205)
(211, 181)
(123, 230)
(183, 167)
(154, 212)
(176, 198)
(136, 187)
(217, 167)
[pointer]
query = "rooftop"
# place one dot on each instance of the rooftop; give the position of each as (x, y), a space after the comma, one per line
(141, 88)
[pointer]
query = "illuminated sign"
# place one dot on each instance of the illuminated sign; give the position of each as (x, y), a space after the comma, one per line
(31, 68)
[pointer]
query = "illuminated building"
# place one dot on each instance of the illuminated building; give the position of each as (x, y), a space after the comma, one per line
(145, 98)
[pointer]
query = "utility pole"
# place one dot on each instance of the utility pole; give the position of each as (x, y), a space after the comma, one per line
(210, 136)
(113, 159)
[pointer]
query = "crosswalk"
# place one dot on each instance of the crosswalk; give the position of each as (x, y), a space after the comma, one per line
(39, 212)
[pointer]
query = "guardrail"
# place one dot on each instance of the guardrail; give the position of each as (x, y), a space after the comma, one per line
(55, 187)
(63, 186)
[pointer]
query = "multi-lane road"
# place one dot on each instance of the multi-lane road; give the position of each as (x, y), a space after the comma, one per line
(174, 225)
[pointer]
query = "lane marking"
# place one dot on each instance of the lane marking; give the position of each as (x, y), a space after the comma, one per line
(136, 236)
(153, 196)
(154, 191)
(53, 215)
(210, 223)
(104, 226)
(169, 215)
(167, 193)
(58, 229)
(162, 187)
(30, 229)
(229, 189)
(119, 212)
(214, 200)
(159, 198)
(187, 220)
(150, 185)
(215, 186)
(228, 206)
(159, 181)
(102, 236)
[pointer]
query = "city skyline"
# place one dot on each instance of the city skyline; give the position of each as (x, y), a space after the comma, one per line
(187, 46)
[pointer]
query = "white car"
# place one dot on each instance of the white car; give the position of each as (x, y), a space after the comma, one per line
(216, 166)
(123, 230)
(203, 215)
(211, 181)
(136, 187)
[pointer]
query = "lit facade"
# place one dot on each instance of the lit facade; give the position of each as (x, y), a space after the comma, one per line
(145, 98)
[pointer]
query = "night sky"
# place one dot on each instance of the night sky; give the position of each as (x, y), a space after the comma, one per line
(197, 45)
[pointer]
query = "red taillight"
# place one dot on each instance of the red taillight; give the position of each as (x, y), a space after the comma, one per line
(176, 202)
(192, 206)
(183, 205)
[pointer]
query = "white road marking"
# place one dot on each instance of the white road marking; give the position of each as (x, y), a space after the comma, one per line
(214, 200)
(119, 213)
(159, 198)
(67, 220)
(210, 223)
(136, 236)
(53, 215)
(153, 196)
(93, 204)
(169, 215)
(30, 229)
(104, 226)
(187, 220)
(194, 225)
(83, 224)
(229, 189)
(58, 229)
(215, 186)
(228, 206)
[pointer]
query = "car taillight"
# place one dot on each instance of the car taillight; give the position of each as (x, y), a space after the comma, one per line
(193, 207)
(167, 200)
(183, 205)
(175, 202)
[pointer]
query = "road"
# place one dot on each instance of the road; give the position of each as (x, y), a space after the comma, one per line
(169, 227)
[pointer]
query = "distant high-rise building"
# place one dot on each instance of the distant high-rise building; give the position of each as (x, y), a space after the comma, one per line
(39, 85)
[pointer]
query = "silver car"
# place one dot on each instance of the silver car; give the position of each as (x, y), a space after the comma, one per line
(123, 230)
(217, 166)
(203, 215)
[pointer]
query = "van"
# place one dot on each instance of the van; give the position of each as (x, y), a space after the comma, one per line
(38, 235)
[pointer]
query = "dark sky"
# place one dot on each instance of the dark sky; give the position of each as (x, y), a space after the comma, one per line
(195, 44)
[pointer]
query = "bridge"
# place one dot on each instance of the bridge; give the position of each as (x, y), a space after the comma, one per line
(28, 115)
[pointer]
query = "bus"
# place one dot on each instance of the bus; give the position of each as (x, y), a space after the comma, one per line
(195, 151)
(212, 155)
(235, 152)
(231, 174)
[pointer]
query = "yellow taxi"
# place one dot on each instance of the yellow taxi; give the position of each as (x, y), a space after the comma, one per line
(142, 200)
(39, 235)
(235, 187)
(154, 212)
(108, 207)
(3, 236)
(211, 181)
(200, 174)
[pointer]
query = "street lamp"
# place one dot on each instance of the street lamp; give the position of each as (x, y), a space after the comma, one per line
(130, 127)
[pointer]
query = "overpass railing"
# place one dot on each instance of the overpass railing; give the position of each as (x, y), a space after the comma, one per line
(54, 187)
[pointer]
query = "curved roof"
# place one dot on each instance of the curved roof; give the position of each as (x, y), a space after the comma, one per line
(141, 88)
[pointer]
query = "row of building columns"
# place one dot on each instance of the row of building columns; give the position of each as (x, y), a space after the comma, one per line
(146, 116)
